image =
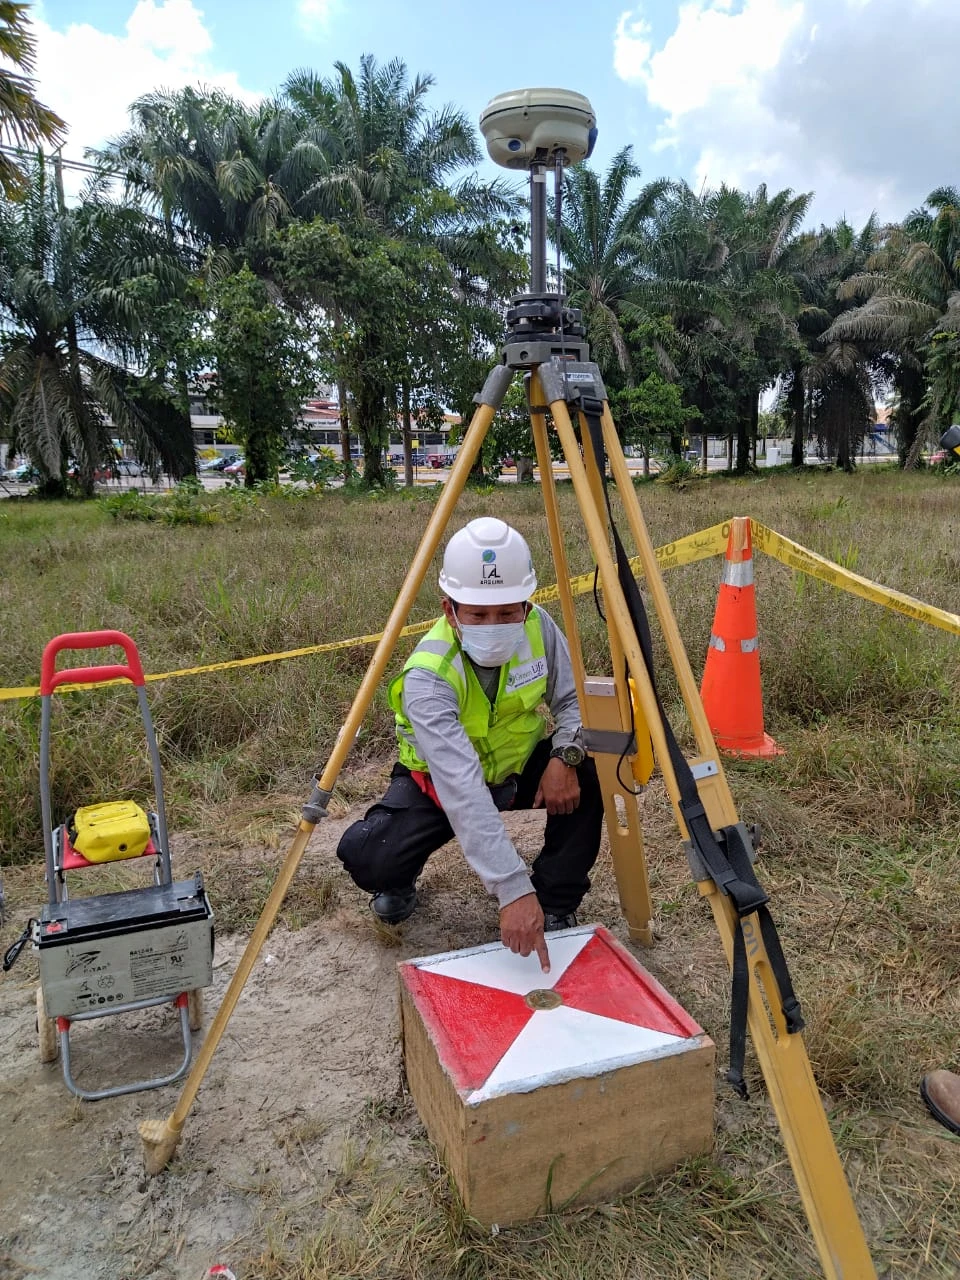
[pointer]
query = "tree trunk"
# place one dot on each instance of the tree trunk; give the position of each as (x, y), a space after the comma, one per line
(258, 453)
(795, 400)
(370, 402)
(743, 436)
(844, 433)
(87, 463)
(407, 437)
(910, 389)
(344, 411)
(342, 400)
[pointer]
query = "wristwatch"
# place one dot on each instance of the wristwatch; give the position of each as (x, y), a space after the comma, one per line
(572, 755)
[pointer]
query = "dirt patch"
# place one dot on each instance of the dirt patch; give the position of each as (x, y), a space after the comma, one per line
(310, 1065)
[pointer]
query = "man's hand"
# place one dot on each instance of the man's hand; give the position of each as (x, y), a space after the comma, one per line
(559, 790)
(521, 928)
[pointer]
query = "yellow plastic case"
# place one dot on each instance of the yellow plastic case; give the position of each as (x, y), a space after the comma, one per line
(111, 831)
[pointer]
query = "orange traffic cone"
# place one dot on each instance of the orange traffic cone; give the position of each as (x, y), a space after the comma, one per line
(731, 676)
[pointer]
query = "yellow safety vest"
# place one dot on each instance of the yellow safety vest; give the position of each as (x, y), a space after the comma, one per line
(504, 732)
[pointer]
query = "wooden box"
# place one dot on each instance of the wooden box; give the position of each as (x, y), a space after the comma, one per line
(543, 1090)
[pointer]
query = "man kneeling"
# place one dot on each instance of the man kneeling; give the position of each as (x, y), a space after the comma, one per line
(472, 742)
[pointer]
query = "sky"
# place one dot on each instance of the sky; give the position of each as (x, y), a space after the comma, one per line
(853, 100)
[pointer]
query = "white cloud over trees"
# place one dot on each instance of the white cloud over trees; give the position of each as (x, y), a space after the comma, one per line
(853, 99)
(90, 76)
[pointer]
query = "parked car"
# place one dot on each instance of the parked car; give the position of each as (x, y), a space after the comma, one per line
(219, 464)
(941, 456)
(443, 459)
(25, 473)
(130, 467)
(236, 468)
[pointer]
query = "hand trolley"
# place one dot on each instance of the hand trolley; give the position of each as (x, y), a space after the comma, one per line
(114, 952)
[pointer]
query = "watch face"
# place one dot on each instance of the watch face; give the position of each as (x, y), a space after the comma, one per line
(572, 756)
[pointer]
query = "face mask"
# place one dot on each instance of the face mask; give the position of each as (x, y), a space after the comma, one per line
(491, 646)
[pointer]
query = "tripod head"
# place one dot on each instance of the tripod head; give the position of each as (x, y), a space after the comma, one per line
(533, 129)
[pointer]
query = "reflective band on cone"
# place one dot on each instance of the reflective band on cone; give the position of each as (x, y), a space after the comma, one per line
(731, 676)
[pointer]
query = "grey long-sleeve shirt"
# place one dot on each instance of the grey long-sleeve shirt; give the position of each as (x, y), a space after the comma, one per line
(431, 706)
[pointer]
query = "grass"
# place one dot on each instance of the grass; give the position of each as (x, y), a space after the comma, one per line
(281, 574)
(861, 823)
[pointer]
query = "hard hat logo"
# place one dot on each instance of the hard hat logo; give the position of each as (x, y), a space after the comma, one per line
(487, 553)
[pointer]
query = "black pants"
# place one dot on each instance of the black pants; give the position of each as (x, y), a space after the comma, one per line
(389, 847)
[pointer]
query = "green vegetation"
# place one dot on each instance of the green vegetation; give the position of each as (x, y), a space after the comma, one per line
(337, 232)
(345, 209)
(23, 120)
(860, 822)
(201, 577)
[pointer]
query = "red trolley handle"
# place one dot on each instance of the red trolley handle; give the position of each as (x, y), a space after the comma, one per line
(50, 677)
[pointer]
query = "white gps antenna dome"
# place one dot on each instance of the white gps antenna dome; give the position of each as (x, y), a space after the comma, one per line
(527, 126)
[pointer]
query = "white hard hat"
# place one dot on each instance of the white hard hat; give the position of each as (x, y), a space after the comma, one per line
(487, 562)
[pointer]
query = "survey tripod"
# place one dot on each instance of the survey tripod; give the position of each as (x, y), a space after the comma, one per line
(566, 394)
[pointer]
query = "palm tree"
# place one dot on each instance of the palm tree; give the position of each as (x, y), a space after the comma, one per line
(78, 288)
(911, 315)
(388, 181)
(830, 385)
(602, 242)
(716, 267)
(379, 142)
(23, 120)
(223, 176)
(761, 230)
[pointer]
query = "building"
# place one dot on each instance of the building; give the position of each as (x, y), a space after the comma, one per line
(319, 421)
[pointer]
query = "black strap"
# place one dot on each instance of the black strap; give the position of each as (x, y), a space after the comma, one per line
(13, 951)
(724, 854)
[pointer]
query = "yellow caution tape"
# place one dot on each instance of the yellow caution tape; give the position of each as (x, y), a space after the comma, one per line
(695, 546)
(415, 629)
(797, 557)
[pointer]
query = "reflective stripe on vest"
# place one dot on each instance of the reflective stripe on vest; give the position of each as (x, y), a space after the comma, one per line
(503, 733)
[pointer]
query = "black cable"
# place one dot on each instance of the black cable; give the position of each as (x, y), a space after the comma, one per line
(81, 165)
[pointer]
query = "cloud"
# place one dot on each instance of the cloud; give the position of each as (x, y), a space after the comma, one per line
(90, 77)
(314, 15)
(849, 98)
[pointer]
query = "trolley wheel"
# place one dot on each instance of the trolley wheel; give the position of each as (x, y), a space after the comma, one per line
(195, 1008)
(47, 1033)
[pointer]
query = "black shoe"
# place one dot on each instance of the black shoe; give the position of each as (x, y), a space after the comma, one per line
(552, 922)
(393, 905)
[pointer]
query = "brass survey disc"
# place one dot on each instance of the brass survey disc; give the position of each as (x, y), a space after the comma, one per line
(541, 998)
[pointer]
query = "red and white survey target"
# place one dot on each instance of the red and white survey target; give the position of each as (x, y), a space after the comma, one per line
(500, 1025)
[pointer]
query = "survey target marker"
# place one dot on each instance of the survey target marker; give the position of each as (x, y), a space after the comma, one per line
(500, 1025)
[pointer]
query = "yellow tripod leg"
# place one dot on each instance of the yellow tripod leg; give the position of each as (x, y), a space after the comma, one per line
(602, 708)
(823, 1188)
(160, 1138)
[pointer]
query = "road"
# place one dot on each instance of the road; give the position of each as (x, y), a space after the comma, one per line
(422, 476)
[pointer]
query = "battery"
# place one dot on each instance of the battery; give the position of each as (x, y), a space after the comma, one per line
(112, 949)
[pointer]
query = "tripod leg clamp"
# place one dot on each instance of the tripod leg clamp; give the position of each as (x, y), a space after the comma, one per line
(496, 386)
(316, 806)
